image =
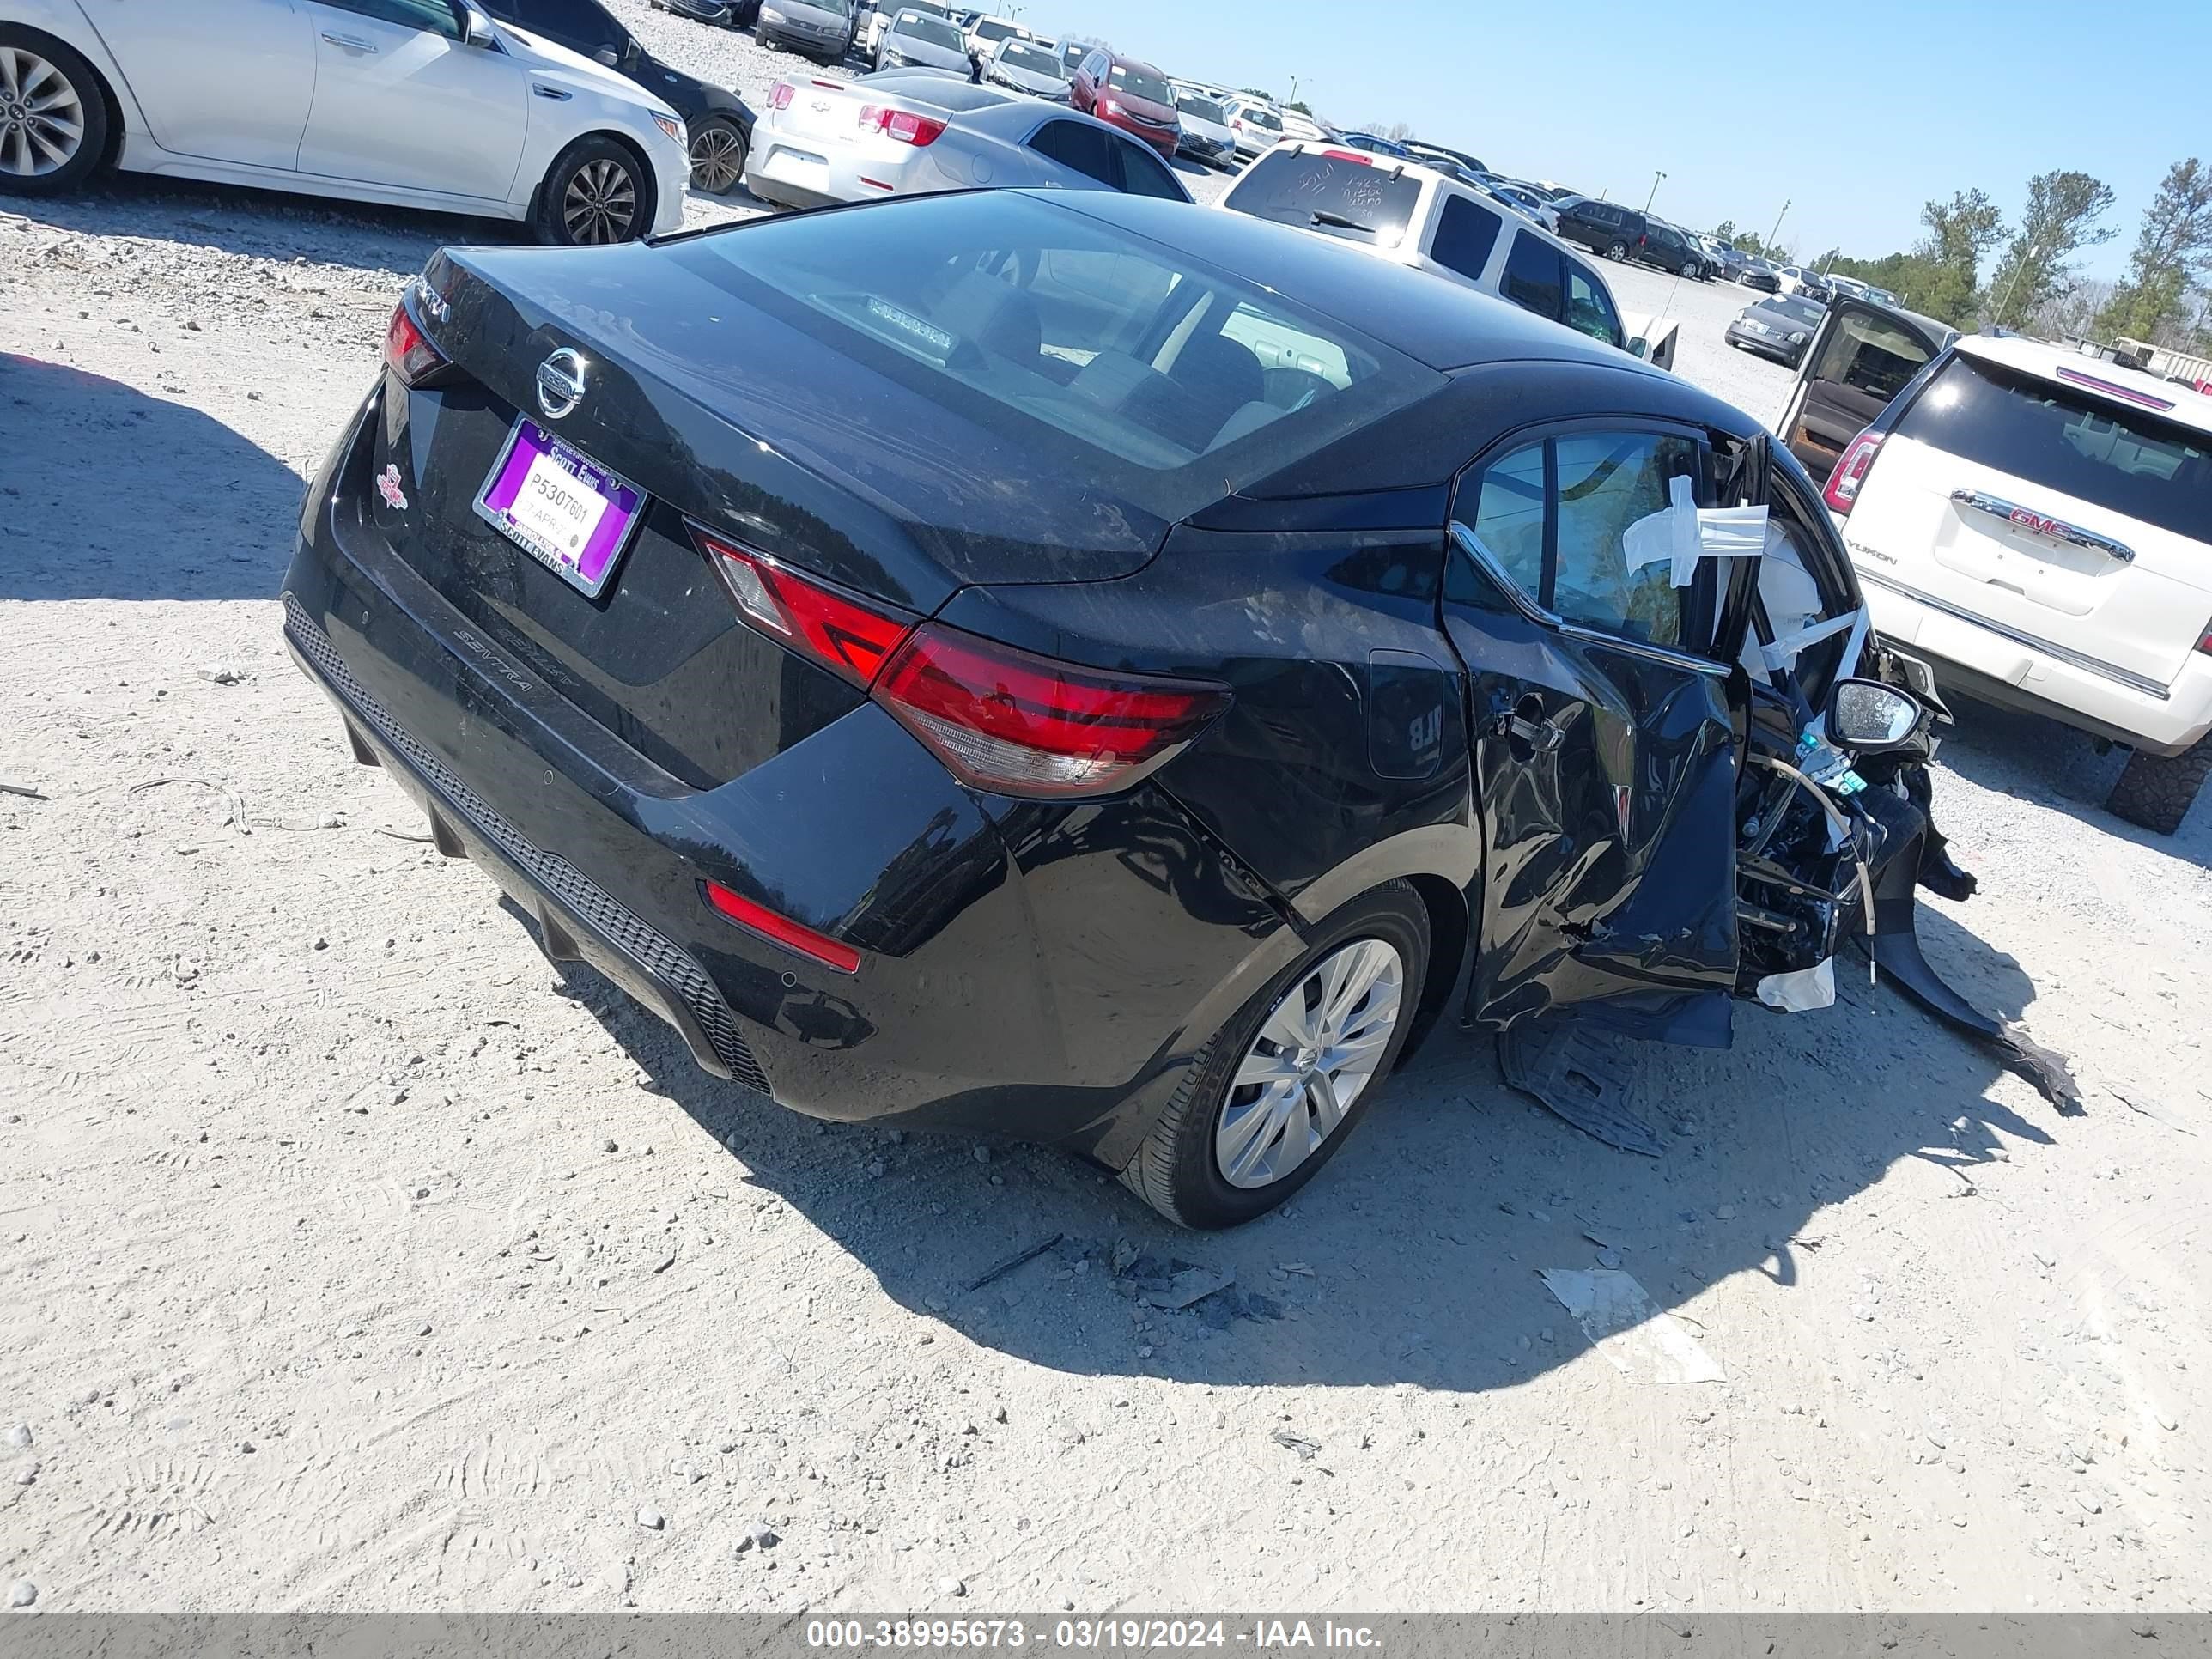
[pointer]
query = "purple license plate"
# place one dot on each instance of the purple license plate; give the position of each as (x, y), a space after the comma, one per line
(561, 507)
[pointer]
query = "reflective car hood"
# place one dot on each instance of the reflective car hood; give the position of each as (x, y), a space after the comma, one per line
(1047, 86)
(925, 54)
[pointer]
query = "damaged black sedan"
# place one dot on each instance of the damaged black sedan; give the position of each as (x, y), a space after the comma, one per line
(1103, 672)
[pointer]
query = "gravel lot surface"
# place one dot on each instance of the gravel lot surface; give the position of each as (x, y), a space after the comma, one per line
(357, 1259)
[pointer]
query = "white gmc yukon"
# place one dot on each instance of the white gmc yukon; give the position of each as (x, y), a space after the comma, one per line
(2036, 522)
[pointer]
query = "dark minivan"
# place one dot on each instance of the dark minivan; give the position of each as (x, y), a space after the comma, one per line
(718, 123)
(1616, 231)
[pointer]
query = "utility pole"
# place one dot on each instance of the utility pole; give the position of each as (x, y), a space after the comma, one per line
(2002, 304)
(1655, 177)
(1294, 90)
(1772, 235)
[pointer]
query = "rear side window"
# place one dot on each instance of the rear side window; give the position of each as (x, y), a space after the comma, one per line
(1349, 199)
(1532, 276)
(434, 16)
(1465, 235)
(1142, 174)
(2125, 461)
(1084, 148)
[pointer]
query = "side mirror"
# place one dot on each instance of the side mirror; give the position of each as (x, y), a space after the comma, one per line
(607, 58)
(476, 28)
(1872, 718)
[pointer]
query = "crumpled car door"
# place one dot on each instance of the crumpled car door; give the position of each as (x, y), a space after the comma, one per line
(1606, 764)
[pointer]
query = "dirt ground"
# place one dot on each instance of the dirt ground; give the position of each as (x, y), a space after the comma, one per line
(357, 1259)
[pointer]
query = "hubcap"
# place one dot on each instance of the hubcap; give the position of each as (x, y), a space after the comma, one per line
(717, 158)
(1315, 1054)
(41, 116)
(600, 204)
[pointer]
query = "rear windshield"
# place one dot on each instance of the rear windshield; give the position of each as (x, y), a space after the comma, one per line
(1262, 117)
(1350, 199)
(2123, 461)
(1141, 83)
(918, 26)
(1203, 108)
(1117, 357)
(1019, 54)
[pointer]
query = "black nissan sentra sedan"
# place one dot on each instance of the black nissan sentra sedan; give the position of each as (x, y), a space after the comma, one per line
(1095, 669)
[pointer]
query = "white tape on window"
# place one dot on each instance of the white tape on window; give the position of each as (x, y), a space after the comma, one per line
(1686, 533)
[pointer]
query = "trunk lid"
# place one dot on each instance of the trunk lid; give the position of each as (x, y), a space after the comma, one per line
(2050, 506)
(718, 413)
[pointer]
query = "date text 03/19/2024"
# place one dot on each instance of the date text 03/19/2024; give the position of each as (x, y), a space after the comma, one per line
(1089, 1635)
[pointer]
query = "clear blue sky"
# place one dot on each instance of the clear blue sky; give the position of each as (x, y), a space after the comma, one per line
(1855, 112)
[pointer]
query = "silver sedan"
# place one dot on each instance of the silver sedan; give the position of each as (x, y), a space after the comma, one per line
(908, 132)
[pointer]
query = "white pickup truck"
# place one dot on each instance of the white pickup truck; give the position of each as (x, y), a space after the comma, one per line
(1414, 216)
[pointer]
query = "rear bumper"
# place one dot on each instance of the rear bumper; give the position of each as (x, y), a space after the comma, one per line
(1763, 346)
(2006, 669)
(799, 171)
(1024, 970)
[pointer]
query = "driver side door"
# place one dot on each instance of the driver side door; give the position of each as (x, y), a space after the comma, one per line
(1603, 716)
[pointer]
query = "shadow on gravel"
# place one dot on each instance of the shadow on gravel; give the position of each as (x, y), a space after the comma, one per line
(260, 224)
(109, 494)
(2036, 759)
(1413, 1258)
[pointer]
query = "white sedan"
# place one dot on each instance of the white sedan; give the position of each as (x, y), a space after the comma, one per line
(415, 103)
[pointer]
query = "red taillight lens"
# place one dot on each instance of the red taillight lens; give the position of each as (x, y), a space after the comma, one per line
(1842, 494)
(2205, 644)
(407, 352)
(791, 935)
(851, 637)
(903, 126)
(1350, 155)
(1014, 724)
(780, 94)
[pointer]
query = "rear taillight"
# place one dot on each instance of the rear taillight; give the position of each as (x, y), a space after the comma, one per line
(902, 125)
(780, 94)
(1008, 722)
(791, 935)
(2205, 644)
(849, 636)
(407, 352)
(1003, 720)
(1842, 494)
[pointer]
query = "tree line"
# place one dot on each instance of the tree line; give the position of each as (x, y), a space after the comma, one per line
(2035, 284)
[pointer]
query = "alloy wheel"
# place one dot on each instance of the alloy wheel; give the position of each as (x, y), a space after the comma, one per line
(600, 204)
(718, 158)
(41, 115)
(1315, 1054)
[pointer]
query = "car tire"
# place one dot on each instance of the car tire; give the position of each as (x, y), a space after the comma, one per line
(718, 152)
(1616, 251)
(2156, 791)
(1689, 270)
(1179, 1170)
(55, 148)
(595, 171)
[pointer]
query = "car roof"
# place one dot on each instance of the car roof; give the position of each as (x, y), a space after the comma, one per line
(2111, 383)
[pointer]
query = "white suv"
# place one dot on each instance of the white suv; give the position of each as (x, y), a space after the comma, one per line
(1416, 215)
(2036, 522)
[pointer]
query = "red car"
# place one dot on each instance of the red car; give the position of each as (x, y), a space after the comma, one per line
(1133, 96)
